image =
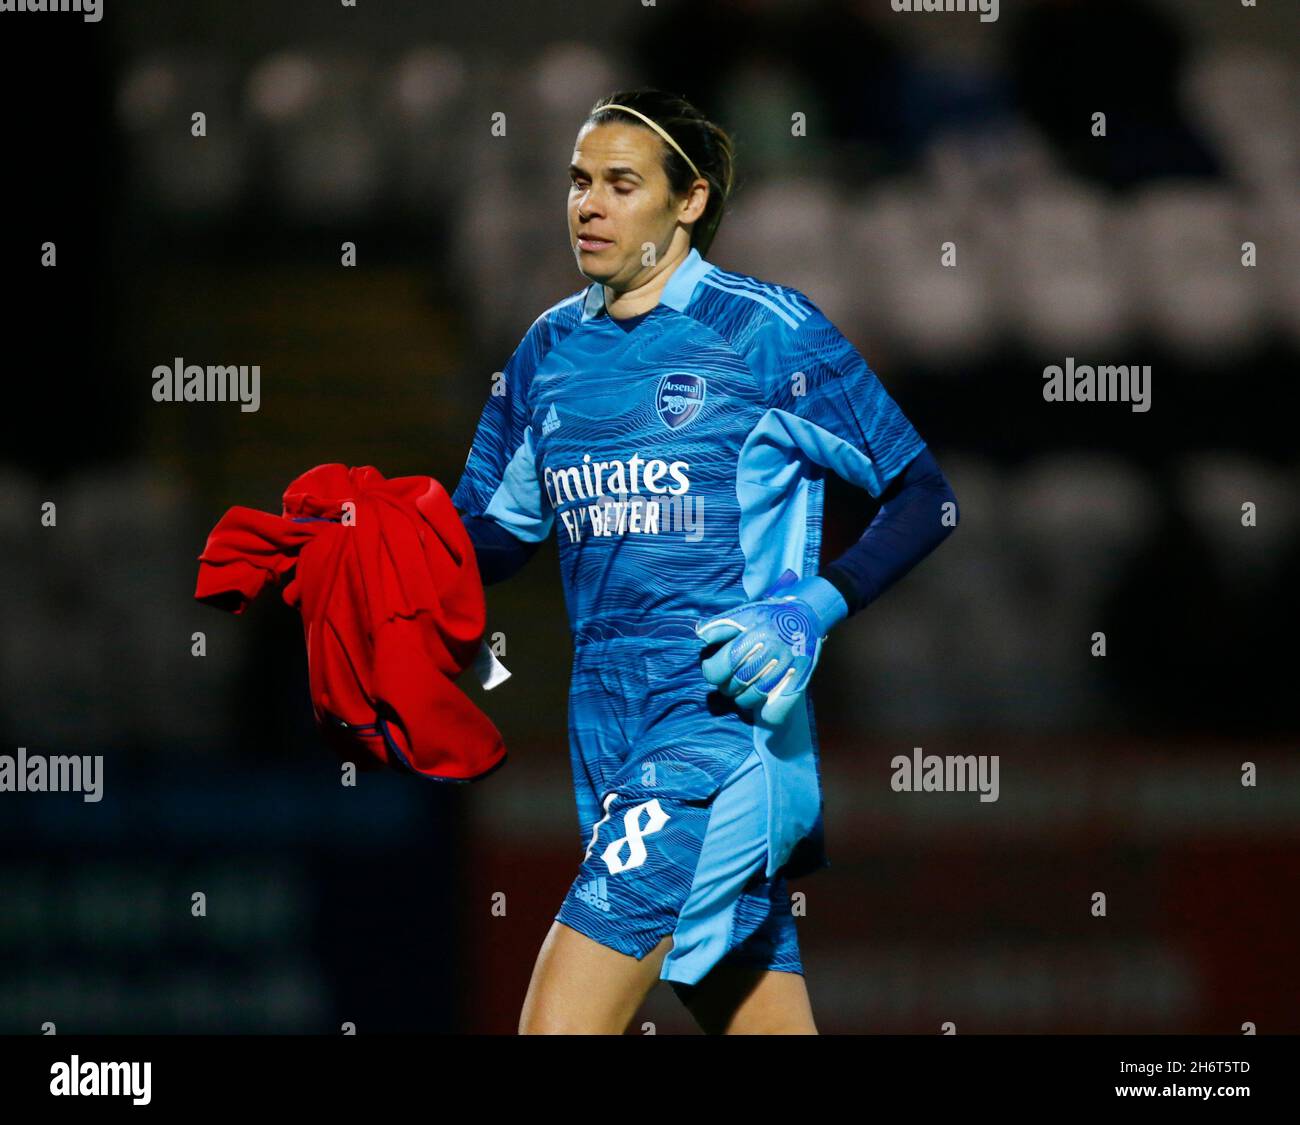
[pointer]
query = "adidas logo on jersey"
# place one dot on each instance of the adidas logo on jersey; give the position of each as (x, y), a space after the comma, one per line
(593, 894)
(551, 422)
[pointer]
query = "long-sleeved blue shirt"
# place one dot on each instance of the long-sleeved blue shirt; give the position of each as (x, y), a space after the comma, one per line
(680, 459)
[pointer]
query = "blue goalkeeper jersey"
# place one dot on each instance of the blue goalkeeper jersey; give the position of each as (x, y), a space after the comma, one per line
(681, 463)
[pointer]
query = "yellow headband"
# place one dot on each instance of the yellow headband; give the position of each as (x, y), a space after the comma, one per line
(655, 126)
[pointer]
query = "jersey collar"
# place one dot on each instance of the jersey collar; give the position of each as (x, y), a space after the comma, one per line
(677, 292)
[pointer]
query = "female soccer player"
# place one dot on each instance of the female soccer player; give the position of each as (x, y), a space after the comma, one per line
(678, 419)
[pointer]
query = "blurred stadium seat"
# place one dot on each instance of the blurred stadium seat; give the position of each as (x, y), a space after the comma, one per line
(315, 133)
(1189, 285)
(170, 168)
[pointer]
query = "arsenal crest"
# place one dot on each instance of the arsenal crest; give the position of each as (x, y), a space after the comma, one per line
(679, 399)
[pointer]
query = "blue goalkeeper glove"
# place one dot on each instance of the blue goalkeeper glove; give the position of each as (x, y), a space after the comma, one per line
(772, 644)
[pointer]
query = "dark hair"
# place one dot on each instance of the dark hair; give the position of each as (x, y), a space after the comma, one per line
(707, 144)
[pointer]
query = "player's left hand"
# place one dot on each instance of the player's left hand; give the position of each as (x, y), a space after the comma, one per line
(772, 644)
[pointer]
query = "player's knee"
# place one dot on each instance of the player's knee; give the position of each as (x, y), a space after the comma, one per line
(780, 1025)
(541, 1023)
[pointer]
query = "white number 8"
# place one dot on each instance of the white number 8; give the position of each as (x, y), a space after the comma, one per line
(636, 853)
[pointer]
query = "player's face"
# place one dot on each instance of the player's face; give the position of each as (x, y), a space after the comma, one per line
(619, 200)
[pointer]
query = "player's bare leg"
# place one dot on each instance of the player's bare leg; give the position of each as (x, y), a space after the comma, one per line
(733, 1000)
(580, 987)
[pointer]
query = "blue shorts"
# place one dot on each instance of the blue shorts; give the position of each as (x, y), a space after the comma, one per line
(673, 798)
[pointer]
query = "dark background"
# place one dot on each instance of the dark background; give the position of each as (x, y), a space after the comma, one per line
(327, 124)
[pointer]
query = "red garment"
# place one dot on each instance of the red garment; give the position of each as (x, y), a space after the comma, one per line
(392, 609)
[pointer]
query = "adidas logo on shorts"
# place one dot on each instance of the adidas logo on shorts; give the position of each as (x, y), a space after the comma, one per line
(593, 894)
